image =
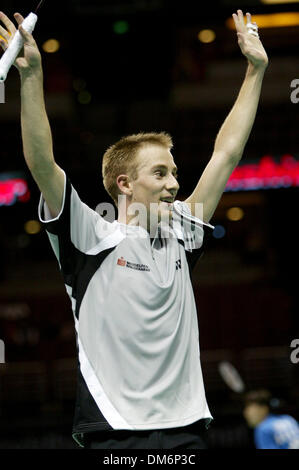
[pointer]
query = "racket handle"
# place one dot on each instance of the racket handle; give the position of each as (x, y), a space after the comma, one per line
(15, 46)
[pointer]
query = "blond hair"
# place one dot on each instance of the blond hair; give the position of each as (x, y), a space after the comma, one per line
(120, 158)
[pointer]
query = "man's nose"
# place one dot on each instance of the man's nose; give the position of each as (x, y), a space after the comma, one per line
(172, 183)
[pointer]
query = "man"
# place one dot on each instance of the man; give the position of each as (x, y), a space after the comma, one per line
(271, 431)
(139, 374)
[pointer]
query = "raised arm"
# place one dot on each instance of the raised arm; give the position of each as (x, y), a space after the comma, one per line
(36, 132)
(234, 132)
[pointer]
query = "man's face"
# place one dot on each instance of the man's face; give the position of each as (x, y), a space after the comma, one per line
(156, 181)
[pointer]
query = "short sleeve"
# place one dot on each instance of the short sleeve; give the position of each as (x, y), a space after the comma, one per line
(75, 230)
(191, 231)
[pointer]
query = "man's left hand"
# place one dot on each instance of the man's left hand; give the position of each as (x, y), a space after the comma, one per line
(250, 45)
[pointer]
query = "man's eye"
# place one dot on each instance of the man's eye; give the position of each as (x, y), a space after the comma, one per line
(159, 173)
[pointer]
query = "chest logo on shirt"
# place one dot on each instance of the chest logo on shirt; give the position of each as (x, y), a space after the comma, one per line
(178, 264)
(127, 264)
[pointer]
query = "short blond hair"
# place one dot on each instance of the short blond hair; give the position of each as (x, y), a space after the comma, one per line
(120, 158)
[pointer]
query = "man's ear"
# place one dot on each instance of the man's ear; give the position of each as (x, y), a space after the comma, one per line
(124, 184)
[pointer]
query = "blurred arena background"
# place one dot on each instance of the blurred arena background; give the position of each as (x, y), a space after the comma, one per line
(118, 67)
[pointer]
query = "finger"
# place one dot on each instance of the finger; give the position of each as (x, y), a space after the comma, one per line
(3, 44)
(236, 21)
(5, 34)
(248, 17)
(19, 18)
(21, 62)
(241, 21)
(9, 24)
(240, 15)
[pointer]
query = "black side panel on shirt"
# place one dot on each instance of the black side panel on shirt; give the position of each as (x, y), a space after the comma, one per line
(85, 269)
(77, 268)
(62, 228)
(194, 256)
(87, 417)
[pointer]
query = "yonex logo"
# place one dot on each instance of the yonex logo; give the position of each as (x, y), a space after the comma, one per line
(178, 264)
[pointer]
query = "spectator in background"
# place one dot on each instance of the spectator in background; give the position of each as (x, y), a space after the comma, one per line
(271, 431)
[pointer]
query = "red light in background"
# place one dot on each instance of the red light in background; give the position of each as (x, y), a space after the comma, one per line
(265, 174)
(13, 189)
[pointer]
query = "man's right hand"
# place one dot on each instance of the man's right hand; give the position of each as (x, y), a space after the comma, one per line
(36, 131)
(29, 59)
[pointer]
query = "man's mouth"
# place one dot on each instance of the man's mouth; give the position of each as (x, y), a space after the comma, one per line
(167, 200)
(167, 204)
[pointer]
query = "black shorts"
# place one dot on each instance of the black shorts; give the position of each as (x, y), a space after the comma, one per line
(186, 437)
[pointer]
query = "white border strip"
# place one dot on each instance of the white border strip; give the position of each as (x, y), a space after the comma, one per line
(43, 205)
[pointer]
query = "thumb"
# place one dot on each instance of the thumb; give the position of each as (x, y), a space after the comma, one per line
(20, 63)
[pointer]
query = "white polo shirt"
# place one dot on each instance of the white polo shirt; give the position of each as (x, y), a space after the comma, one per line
(135, 317)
